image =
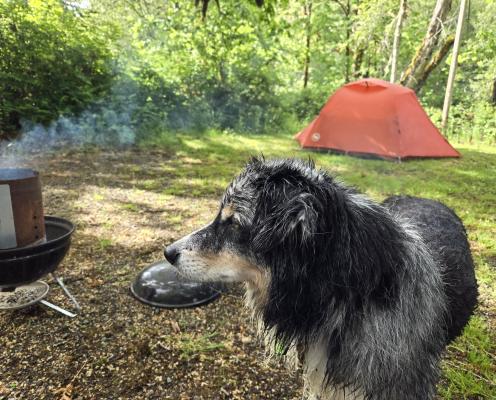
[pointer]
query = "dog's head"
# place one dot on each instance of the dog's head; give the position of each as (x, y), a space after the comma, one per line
(271, 207)
(307, 244)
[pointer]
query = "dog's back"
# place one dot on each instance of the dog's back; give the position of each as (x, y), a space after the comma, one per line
(444, 234)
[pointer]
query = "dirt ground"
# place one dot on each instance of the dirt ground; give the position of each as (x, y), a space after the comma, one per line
(118, 348)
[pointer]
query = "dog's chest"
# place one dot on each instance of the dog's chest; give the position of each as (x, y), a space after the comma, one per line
(314, 360)
(314, 367)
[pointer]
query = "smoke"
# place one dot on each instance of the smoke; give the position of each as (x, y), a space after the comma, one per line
(102, 124)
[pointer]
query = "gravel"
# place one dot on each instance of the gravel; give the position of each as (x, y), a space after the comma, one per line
(118, 348)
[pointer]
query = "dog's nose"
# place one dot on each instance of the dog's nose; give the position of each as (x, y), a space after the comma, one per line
(171, 253)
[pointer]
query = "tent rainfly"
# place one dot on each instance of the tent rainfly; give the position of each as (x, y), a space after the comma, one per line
(371, 117)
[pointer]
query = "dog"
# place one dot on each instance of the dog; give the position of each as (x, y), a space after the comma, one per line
(366, 295)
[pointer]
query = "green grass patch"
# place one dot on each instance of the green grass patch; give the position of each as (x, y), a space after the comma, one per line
(98, 197)
(104, 243)
(470, 368)
(130, 207)
(194, 345)
(174, 219)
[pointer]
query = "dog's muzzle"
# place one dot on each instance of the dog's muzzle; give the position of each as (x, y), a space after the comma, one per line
(172, 253)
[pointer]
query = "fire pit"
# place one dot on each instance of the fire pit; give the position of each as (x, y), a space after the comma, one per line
(24, 265)
(31, 245)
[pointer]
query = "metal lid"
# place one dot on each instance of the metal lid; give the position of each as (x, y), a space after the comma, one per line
(160, 285)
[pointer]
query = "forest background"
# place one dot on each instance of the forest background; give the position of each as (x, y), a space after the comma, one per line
(127, 70)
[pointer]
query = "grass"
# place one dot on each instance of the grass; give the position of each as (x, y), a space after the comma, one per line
(471, 359)
(192, 345)
(104, 243)
(130, 207)
(204, 164)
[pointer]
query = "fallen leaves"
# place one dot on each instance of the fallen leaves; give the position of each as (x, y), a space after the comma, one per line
(3, 389)
(175, 327)
(67, 391)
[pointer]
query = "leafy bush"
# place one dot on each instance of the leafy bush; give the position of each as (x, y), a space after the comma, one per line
(53, 60)
(475, 123)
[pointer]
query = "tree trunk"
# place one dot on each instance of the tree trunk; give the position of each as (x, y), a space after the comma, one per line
(396, 40)
(307, 9)
(436, 60)
(346, 8)
(348, 36)
(357, 62)
(493, 96)
(424, 54)
(454, 63)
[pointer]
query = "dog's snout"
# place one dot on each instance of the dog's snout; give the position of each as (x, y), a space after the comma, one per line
(172, 253)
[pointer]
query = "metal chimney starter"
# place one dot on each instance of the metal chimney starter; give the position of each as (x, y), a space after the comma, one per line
(21, 208)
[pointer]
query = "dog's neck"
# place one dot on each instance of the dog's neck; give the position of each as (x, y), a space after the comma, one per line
(257, 292)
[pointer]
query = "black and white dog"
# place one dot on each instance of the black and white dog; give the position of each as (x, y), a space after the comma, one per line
(366, 295)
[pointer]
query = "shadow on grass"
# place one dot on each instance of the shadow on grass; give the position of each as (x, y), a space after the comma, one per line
(202, 166)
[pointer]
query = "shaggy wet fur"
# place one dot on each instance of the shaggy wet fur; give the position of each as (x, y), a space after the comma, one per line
(368, 294)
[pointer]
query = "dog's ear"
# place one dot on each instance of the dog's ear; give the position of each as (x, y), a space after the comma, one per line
(293, 222)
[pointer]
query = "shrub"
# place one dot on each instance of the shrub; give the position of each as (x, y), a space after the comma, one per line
(53, 60)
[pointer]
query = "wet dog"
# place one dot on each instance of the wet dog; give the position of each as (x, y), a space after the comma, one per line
(367, 295)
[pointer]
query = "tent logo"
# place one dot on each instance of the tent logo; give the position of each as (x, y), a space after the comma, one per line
(316, 137)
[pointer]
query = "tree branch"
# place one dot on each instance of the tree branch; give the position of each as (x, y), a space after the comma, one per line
(493, 96)
(435, 61)
(423, 56)
(345, 9)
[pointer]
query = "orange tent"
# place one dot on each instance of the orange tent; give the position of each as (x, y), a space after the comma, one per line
(374, 117)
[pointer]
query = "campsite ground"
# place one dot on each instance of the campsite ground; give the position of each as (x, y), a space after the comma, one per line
(127, 204)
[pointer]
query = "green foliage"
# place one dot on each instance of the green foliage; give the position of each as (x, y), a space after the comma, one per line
(473, 122)
(52, 61)
(120, 70)
(473, 115)
(188, 74)
(243, 70)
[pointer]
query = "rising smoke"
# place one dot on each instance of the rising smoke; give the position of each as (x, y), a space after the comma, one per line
(104, 125)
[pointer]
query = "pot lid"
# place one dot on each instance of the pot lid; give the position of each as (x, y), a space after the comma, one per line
(160, 285)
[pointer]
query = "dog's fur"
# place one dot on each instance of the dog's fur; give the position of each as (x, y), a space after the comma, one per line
(367, 294)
